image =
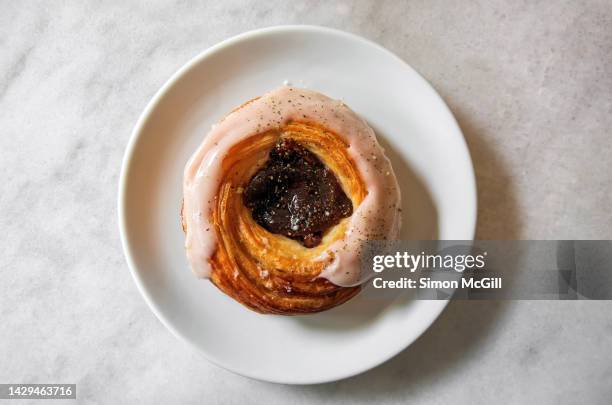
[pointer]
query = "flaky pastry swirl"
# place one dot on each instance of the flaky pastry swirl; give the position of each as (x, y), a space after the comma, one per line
(266, 271)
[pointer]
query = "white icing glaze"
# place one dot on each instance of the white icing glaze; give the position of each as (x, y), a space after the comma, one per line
(377, 217)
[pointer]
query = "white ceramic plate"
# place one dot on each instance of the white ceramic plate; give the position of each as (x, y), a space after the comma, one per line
(422, 139)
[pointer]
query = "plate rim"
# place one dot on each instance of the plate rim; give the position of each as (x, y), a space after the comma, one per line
(437, 305)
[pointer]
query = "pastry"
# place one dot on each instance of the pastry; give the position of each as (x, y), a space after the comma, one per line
(279, 198)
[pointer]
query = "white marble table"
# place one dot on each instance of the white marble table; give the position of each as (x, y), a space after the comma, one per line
(530, 83)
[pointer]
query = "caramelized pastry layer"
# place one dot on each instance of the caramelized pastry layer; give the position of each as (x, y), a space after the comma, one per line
(279, 198)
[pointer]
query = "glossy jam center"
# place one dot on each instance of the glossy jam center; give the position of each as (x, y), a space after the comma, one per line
(296, 195)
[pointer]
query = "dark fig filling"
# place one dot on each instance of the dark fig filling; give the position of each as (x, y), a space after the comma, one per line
(294, 194)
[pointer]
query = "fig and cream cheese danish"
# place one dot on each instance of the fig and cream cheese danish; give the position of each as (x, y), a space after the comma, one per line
(279, 197)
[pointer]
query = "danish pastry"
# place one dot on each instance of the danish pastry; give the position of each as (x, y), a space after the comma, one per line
(279, 197)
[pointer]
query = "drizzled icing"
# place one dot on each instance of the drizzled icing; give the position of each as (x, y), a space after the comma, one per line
(377, 217)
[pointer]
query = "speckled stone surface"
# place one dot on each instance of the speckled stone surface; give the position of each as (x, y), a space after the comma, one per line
(530, 83)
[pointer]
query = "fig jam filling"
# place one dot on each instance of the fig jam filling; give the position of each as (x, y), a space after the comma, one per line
(294, 194)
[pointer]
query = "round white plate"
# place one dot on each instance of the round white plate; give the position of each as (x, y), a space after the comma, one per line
(420, 135)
